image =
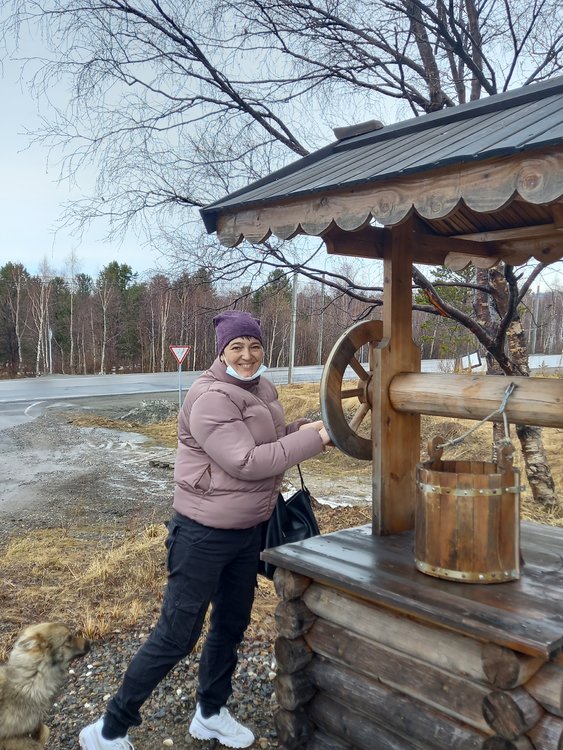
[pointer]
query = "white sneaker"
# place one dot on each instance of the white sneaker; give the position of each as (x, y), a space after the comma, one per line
(220, 727)
(90, 738)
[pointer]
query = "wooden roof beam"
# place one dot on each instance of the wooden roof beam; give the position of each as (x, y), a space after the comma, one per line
(517, 245)
(514, 233)
(430, 249)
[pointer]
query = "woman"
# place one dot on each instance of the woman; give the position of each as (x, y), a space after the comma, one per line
(233, 449)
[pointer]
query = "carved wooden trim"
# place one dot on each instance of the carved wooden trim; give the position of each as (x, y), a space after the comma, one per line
(485, 187)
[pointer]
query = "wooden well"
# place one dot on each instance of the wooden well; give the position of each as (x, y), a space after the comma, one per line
(467, 519)
(371, 654)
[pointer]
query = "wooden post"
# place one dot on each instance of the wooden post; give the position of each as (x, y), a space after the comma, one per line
(369, 715)
(294, 690)
(501, 743)
(547, 688)
(293, 728)
(321, 741)
(293, 618)
(289, 585)
(292, 654)
(396, 436)
(453, 696)
(448, 651)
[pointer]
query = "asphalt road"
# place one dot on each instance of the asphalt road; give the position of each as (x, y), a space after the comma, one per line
(25, 399)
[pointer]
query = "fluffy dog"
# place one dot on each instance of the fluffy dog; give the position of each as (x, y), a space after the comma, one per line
(30, 681)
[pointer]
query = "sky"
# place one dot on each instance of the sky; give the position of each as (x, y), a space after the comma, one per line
(32, 202)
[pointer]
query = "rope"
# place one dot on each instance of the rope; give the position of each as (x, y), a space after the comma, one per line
(508, 391)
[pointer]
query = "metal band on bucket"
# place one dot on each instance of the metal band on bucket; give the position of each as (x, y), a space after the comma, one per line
(466, 576)
(473, 492)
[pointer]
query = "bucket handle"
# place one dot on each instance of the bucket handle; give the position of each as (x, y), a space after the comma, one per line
(435, 448)
(504, 449)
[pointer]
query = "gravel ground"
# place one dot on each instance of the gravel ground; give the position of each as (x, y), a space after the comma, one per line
(56, 474)
(167, 713)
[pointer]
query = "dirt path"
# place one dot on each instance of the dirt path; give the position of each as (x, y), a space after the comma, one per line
(54, 473)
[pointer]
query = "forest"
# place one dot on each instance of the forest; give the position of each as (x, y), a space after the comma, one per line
(116, 322)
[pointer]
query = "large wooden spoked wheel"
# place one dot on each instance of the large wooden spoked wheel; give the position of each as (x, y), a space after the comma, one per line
(342, 431)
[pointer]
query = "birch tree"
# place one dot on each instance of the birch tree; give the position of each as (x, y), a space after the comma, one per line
(106, 292)
(40, 292)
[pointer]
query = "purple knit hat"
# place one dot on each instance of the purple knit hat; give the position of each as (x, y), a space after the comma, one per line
(231, 324)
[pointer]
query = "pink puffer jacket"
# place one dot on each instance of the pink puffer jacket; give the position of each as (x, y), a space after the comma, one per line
(233, 449)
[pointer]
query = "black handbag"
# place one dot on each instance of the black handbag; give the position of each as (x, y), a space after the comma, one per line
(292, 521)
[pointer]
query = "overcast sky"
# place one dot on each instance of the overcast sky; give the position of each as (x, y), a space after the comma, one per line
(31, 201)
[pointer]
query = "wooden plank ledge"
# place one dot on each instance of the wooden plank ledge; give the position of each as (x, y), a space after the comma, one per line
(525, 615)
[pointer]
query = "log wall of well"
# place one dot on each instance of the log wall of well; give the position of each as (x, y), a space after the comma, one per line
(352, 676)
(355, 675)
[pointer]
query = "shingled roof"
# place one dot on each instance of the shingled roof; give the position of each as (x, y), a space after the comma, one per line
(523, 120)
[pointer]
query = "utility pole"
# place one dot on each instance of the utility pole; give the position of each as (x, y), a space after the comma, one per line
(292, 329)
(535, 321)
(50, 334)
(321, 324)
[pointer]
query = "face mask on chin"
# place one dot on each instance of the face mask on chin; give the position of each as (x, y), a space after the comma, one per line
(234, 374)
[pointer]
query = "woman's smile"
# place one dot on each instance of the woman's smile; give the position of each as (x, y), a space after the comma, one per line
(244, 355)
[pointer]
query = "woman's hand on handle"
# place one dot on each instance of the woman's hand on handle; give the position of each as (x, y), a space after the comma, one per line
(321, 429)
(325, 437)
(318, 425)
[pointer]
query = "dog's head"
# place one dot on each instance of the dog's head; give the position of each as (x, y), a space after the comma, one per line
(50, 642)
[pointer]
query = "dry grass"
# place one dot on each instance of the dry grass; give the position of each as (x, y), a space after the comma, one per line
(98, 579)
(103, 580)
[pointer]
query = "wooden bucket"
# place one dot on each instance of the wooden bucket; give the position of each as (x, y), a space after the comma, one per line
(467, 526)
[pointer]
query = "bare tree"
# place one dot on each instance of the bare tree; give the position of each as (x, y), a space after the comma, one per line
(106, 294)
(498, 329)
(40, 292)
(176, 103)
(15, 280)
(73, 268)
(160, 294)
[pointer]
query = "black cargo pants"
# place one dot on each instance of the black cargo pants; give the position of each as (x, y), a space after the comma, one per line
(205, 566)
